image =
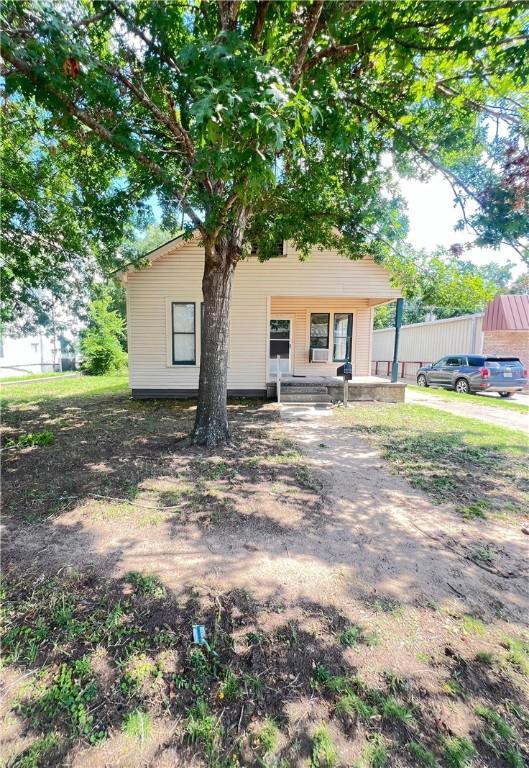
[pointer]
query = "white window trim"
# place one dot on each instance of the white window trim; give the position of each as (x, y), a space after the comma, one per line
(331, 311)
(197, 300)
(169, 301)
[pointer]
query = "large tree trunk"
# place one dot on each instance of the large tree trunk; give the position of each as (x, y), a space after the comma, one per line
(211, 422)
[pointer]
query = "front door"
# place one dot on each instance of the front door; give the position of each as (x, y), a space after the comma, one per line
(280, 344)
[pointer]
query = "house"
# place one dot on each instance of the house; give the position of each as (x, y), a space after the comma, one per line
(502, 329)
(26, 354)
(311, 316)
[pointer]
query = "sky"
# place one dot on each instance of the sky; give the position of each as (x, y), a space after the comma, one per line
(432, 217)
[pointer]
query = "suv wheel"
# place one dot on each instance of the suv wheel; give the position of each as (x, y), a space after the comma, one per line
(506, 394)
(421, 380)
(462, 386)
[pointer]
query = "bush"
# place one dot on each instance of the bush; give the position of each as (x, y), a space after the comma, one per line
(101, 341)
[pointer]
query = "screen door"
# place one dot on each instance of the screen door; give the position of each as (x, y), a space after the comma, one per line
(280, 344)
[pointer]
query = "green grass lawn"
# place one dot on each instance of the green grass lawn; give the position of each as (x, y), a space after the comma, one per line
(28, 376)
(480, 468)
(67, 387)
(493, 402)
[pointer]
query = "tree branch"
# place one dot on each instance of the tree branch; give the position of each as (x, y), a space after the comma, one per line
(260, 18)
(151, 44)
(334, 52)
(100, 130)
(308, 32)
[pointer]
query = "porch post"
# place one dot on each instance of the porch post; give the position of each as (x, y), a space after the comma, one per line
(398, 323)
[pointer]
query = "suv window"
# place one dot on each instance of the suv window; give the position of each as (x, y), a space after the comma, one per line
(440, 362)
(454, 361)
(476, 362)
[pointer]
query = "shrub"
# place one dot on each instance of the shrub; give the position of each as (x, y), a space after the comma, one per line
(101, 341)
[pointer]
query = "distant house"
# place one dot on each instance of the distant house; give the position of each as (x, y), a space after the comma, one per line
(503, 329)
(26, 354)
(313, 315)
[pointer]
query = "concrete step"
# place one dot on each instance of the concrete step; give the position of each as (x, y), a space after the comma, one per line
(295, 389)
(305, 397)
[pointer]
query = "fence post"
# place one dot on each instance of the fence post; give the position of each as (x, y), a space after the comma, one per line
(398, 323)
(345, 391)
(278, 385)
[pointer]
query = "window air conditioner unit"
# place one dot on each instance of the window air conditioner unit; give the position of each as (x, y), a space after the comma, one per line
(319, 355)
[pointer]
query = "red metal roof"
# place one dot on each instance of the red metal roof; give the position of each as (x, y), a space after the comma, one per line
(507, 313)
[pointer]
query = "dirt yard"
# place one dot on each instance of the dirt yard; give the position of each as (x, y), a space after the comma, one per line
(352, 618)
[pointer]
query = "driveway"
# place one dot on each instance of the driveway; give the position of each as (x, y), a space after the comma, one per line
(475, 410)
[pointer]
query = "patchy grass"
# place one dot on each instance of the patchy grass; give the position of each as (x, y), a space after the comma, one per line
(96, 661)
(67, 387)
(29, 376)
(489, 401)
(324, 753)
(31, 440)
(137, 724)
(478, 467)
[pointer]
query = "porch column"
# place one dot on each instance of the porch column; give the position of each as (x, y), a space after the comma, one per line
(398, 323)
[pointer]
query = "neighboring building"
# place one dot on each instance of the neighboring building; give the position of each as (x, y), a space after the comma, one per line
(503, 329)
(314, 314)
(26, 354)
(506, 327)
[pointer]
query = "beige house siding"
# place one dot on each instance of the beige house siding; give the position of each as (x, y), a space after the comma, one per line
(176, 275)
(300, 309)
(501, 343)
(427, 342)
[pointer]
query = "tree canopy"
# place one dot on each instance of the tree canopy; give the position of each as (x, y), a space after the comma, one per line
(255, 121)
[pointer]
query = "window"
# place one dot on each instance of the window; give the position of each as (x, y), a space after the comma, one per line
(319, 330)
(343, 331)
(277, 249)
(35, 348)
(454, 362)
(184, 347)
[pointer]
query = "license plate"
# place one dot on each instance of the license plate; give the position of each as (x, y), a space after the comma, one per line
(507, 374)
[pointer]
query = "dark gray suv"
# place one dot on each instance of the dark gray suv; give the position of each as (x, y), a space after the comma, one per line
(475, 373)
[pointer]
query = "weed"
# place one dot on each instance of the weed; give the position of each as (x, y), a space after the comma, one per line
(351, 636)
(70, 695)
(350, 704)
(203, 728)
(500, 726)
(308, 479)
(374, 754)
(513, 758)
(40, 752)
(458, 752)
(518, 653)
(472, 626)
(395, 683)
(229, 688)
(148, 586)
(474, 511)
(372, 640)
(31, 440)
(484, 657)
(485, 554)
(268, 737)
(323, 749)
(393, 710)
(138, 724)
(452, 687)
(421, 755)
(255, 638)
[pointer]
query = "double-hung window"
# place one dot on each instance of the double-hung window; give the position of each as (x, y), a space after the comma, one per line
(319, 330)
(184, 333)
(343, 333)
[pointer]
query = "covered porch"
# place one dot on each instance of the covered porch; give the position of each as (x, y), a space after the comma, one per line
(310, 337)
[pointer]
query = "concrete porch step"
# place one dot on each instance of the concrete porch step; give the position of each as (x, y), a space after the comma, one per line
(313, 389)
(305, 397)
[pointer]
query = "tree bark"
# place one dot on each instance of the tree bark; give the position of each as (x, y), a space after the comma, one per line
(211, 421)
